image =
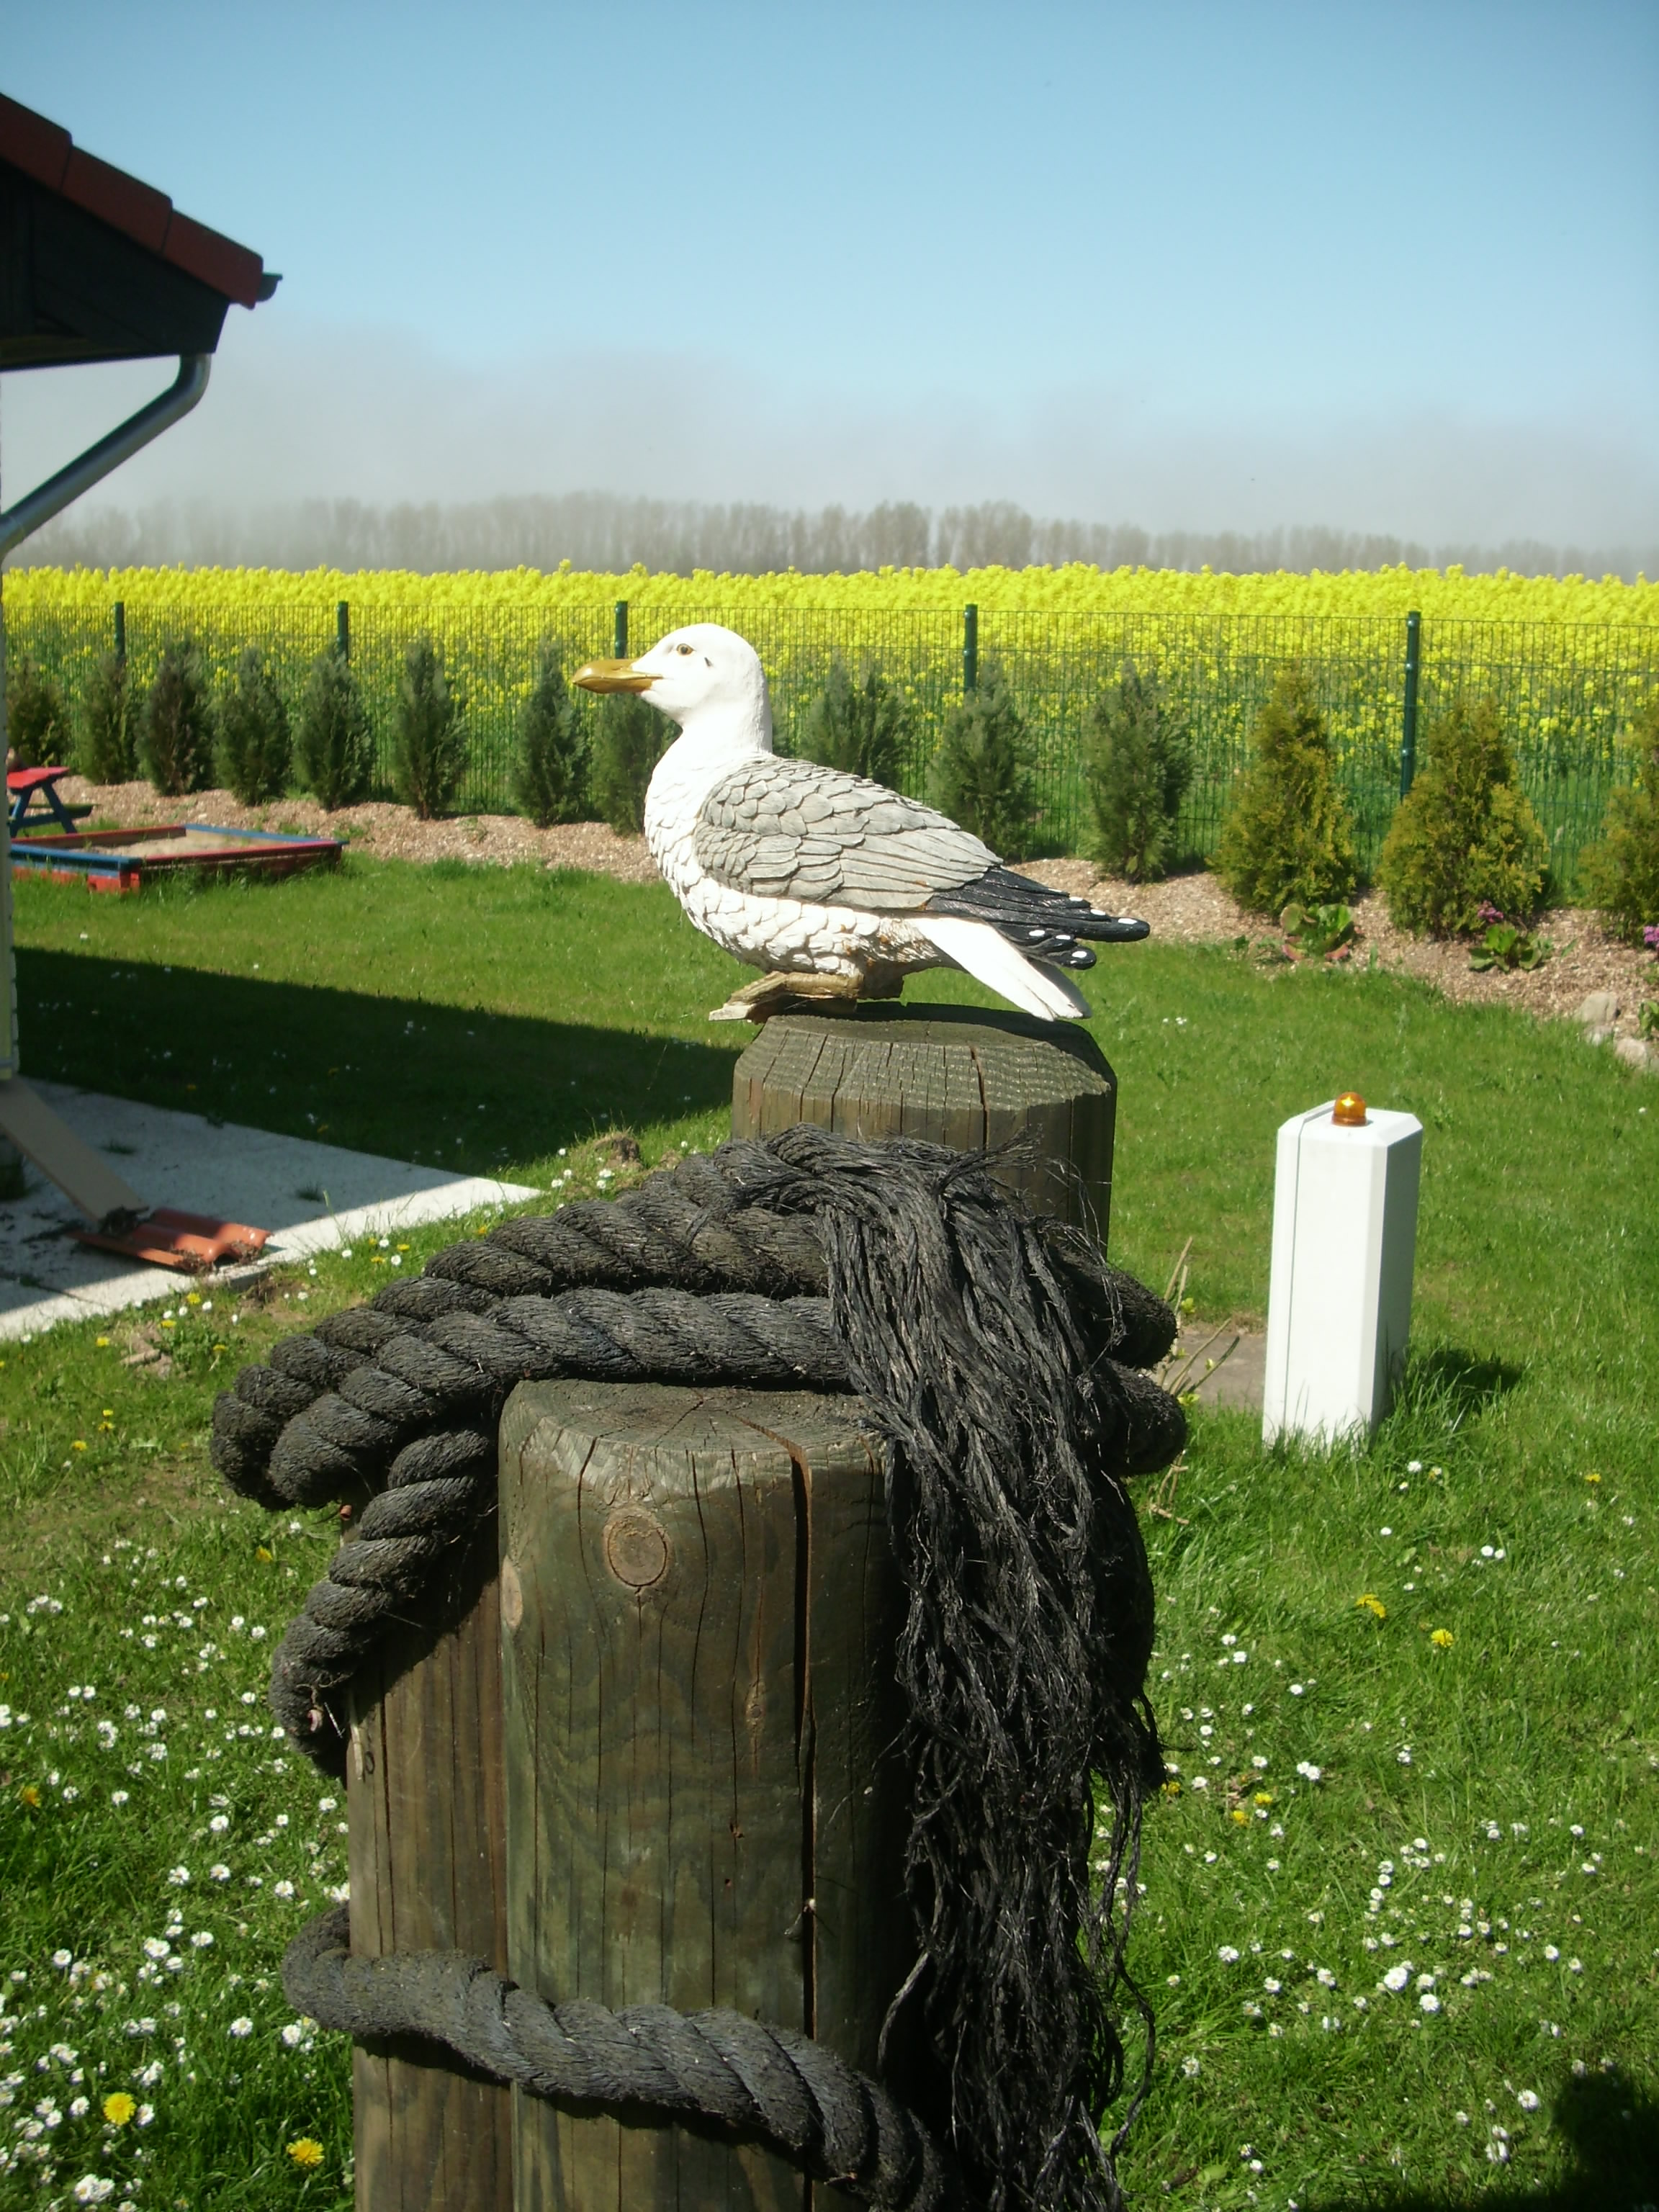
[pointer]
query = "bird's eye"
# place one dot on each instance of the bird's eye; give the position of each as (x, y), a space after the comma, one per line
(682, 648)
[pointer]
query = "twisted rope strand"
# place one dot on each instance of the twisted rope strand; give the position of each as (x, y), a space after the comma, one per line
(762, 2084)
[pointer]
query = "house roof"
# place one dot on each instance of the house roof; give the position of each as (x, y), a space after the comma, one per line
(97, 265)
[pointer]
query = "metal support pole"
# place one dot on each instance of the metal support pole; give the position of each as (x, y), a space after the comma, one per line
(1408, 718)
(343, 629)
(971, 648)
(120, 629)
(619, 632)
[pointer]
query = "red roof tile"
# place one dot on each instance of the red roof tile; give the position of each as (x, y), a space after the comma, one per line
(217, 260)
(39, 148)
(117, 199)
(44, 151)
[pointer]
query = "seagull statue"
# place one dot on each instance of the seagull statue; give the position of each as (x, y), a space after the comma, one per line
(835, 885)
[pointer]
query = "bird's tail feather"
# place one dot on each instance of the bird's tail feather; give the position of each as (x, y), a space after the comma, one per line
(1001, 967)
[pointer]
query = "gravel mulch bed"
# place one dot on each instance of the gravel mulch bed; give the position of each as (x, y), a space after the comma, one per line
(387, 832)
(1193, 909)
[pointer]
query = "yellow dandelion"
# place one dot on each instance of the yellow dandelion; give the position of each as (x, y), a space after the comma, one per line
(29, 1794)
(1370, 1604)
(263, 1551)
(1592, 1478)
(79, 1444)
(1264, 1796)
(192, 1298)
(102, 1343)
(1172, 1790)
(119, 2108)
(306, 2151)
(1442, 1640)
(1240, 1815)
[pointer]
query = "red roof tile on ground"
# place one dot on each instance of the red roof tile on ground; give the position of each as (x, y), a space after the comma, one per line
(44, 151)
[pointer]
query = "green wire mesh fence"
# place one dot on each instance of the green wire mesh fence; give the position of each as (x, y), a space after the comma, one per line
(1568, 693)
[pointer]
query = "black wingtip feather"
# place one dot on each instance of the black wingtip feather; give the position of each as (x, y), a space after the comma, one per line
(1045, 924)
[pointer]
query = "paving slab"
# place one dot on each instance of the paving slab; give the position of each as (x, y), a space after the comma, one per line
(313, 1197)
(1221, 1366)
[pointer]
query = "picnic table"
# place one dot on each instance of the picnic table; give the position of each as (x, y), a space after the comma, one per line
(25, 785)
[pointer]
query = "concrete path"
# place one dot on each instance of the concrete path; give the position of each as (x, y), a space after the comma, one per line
(310, 1196)
(1220, 1366)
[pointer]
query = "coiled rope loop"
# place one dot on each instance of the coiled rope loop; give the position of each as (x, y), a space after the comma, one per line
(1000, 1361)
(759, 2083)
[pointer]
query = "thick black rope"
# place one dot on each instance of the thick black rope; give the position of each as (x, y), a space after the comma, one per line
(999, 1357)
(755, 2081)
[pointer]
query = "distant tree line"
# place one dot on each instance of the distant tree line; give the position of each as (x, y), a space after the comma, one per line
(603, 531)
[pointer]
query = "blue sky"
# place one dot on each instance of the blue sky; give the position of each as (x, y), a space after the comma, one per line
(1385, 266)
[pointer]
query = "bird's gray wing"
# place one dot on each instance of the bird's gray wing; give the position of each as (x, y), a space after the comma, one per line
(790, 829)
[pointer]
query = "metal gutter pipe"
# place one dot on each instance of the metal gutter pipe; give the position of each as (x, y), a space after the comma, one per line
(80, 475)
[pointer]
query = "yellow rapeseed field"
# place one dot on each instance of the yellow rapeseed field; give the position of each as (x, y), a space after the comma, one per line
(212, 598)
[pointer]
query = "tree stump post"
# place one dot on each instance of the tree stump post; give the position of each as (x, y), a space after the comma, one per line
(703, 1804)
(953, 1075)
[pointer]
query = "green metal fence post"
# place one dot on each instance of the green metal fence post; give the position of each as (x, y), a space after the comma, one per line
(619, 632)
(120, 629)
(343, 629)
(971, 648)
(1408, 717)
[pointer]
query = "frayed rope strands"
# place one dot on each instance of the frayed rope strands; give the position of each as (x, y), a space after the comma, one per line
(713, 2068)
(997, 1357)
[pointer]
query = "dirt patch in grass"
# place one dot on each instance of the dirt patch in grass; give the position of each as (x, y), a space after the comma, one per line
(1195, 910)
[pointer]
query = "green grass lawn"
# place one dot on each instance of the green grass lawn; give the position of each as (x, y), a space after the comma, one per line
(1483, 1812)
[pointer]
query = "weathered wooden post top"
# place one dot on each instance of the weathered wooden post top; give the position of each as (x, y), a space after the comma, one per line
(952, 1075)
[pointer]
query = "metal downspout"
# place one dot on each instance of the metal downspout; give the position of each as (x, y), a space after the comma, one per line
(89, 468)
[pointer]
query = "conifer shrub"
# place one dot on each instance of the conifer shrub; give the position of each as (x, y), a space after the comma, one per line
(107, 751)
(177, 744)
(629, 740)
(859, 724)
(336, 745)
(981, 776)
(37, 720)
(1137, 763)
(1465, 835)
(1621, 872)
(256, 746)
(550, 774)
(1289, 833)
(429, 755)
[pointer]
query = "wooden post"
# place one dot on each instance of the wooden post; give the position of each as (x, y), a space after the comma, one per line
(952, 1074)
(426, 1814)
(698, 1612)
(655, 1762)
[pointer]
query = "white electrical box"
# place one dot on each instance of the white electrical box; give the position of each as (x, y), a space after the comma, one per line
(1345, 1243)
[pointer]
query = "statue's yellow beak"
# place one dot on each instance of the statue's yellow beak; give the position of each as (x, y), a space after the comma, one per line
(612, 676)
